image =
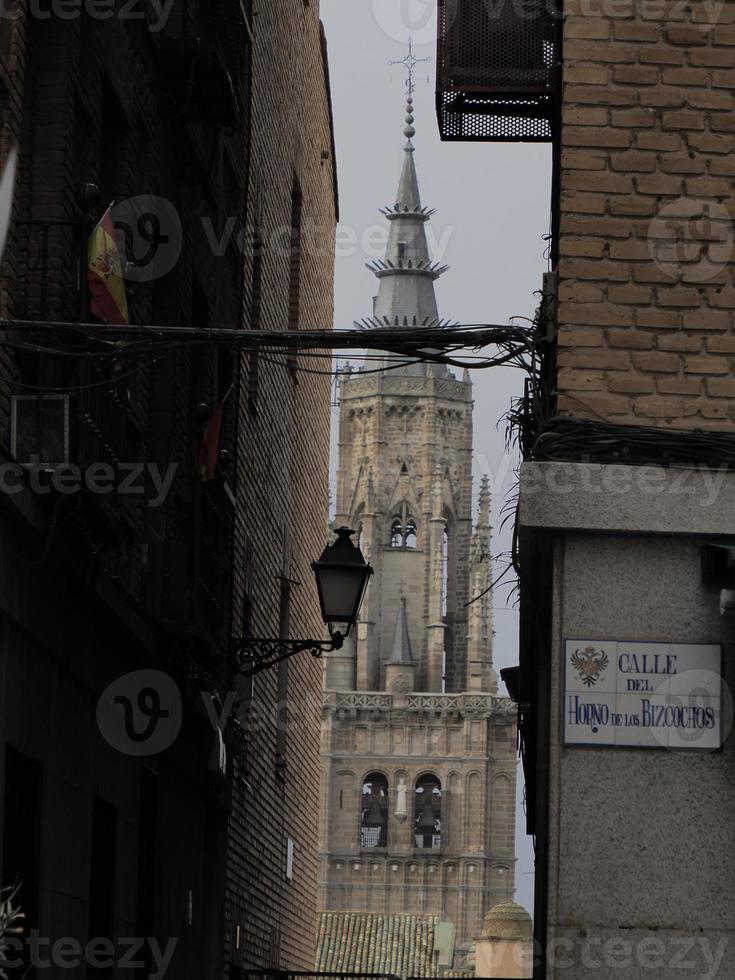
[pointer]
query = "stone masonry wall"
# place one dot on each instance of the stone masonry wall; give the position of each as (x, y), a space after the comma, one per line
(646, 328)
(474, 756)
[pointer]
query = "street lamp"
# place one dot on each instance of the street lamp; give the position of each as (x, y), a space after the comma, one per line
(342, 577)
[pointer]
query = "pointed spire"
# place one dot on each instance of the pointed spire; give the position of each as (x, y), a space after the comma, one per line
(407, 274)
(370, 497)
(480, 672)
(480, 545)
(408, 198)
(401, 650)
(483, 520)
(437, 493)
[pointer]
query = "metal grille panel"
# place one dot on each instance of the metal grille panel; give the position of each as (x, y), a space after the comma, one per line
(498, 69)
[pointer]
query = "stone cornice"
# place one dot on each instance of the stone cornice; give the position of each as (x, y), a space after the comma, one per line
(480, 705)
(450, 388)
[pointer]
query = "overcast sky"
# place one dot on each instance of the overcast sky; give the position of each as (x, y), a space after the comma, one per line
(492, 204)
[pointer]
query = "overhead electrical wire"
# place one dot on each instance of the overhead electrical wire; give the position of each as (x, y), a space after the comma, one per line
(426, 343)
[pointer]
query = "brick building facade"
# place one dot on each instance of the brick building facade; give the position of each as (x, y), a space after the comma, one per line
(283, 491)
(186, 116)
(622, 548)
(645, 275)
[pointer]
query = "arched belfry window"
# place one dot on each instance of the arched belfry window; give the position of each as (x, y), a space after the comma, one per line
(374, 819)
(403, 529)
(428, 812)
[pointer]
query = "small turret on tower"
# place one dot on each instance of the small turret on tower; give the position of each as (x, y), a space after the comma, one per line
(480, 673)
(400, 669)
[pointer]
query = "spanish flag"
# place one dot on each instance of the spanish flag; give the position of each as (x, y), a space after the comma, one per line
(209, 449)
(107, 299)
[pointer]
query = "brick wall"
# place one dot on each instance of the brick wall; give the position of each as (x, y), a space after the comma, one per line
(646, 327)
(57, 103)
(282, 493)
(56, 106)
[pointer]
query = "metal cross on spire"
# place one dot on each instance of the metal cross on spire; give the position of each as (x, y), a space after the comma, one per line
(409, 63)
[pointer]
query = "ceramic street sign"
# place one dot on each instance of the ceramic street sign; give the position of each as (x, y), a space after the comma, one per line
(651, 695)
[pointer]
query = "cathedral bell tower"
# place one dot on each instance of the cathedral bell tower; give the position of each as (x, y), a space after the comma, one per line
(419, 753)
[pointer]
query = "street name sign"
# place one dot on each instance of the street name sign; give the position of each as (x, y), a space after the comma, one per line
(648, 695)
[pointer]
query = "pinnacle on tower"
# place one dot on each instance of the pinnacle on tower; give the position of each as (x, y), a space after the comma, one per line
(483, 519)
(401, 651)
(481, 535)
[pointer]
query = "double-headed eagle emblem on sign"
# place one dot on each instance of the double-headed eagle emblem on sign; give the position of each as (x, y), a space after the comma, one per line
(589, 664)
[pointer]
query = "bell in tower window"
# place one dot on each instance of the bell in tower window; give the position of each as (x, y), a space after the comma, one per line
(403, 529)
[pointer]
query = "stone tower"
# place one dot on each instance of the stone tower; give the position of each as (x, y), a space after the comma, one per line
(418, 751)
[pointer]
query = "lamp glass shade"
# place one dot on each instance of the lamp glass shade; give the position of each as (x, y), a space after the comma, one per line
(342, 576)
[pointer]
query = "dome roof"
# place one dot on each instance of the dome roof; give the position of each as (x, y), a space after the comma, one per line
(507, 921)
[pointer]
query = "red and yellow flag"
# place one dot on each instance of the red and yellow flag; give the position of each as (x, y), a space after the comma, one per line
(107, 298)
(209, 449)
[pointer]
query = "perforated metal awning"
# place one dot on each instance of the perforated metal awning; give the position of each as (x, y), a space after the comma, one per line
(498, 69)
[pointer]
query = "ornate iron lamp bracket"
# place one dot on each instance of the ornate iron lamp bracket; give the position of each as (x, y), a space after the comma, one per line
(252, 656)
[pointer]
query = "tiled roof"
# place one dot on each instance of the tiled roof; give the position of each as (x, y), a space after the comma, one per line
(367, 942)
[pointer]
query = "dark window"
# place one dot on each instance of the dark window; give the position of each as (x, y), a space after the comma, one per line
(22, 840)
(256, 299)
(245, 686)
(428, 812)
(102, 878)
(294, 279)
(282, 682)
(114, 147)
(147, 853)
(40, 429)
(226, 385)
(374, 818)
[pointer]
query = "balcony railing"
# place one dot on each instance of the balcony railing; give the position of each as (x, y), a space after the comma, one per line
(435, 703)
